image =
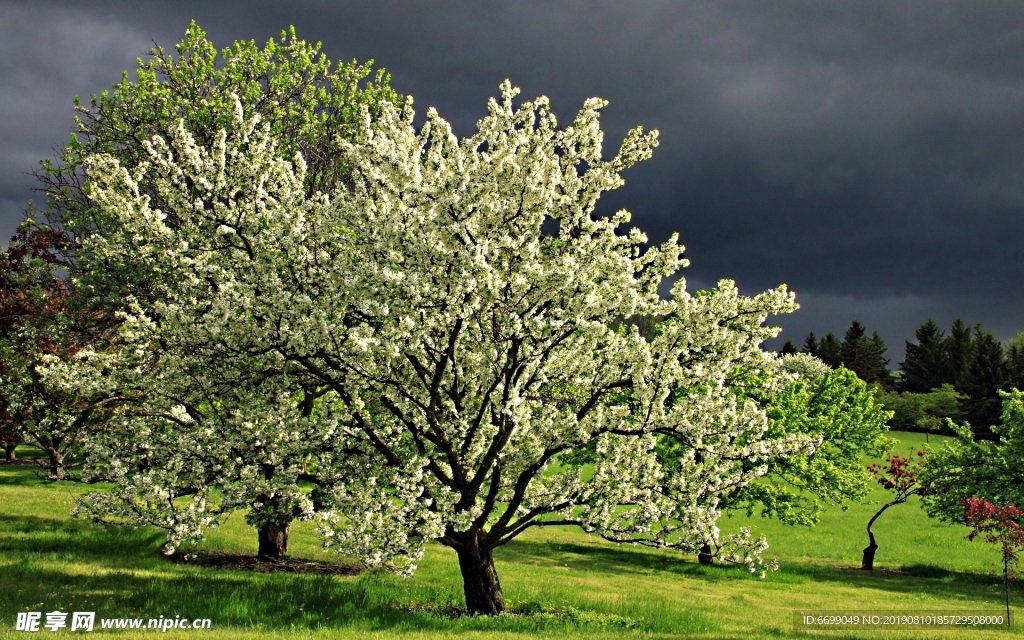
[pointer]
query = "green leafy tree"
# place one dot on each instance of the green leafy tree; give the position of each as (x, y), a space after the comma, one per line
(310, 104)
(309, 107)
(924, 412)
(900, 476)
(973, 467)
(838, 408)
(926, 366)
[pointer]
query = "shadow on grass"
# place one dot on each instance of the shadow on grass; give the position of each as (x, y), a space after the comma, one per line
(601, 558)
(975, 589)
(978, 590)
(276, 601)
(227, 598)
(67, 538)
(52, 564)
(28, 474)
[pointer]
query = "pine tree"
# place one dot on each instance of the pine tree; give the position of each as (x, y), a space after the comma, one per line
(829, 350)
(810, 345)
(788, 349)
(850, 353)
(1015, 363)
(958, 346)
(926, 366)
(863, 355)
(984, 377)
(879, 363)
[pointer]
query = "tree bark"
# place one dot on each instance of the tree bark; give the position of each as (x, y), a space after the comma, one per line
(273, 540)
(479, 578)
(9, 449)
(1006, 586)
(704, 556)
(56, 465)
(867, 563)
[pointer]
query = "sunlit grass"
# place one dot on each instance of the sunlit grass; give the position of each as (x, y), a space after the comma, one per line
(562, 582)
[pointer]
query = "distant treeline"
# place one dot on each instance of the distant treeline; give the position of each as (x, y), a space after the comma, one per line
(956, 375)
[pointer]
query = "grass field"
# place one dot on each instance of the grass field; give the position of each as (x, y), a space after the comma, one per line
(564, 583)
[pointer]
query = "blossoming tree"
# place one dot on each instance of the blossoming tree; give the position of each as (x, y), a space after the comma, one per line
(42, 317)
(189, 427)
(473, 375)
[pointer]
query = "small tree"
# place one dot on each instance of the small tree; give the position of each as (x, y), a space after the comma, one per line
(10, 438)
(1015, 361)
(923, 412)
(998, 525)
(863, 355)
(900, 477)
(973, 467)
(42, 317)
(831, 405)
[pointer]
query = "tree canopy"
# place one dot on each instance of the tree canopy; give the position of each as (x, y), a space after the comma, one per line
(310, 107)
(476, 377)
(975, 467)
(838, 408)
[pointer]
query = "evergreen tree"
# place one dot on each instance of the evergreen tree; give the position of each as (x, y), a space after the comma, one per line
(926, 366)
(852, 346)
(863, 355)
(1015, 365)
(829, 350)
(788, 349)
(958, 352)
(880, 363)
(984, 377)
(810, 345)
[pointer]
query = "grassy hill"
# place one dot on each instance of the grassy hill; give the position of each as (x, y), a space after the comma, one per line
(563, 582)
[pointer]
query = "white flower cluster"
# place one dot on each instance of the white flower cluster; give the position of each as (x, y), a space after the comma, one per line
(438, 347)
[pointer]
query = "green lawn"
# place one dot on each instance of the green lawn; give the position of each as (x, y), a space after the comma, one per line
(567, 584)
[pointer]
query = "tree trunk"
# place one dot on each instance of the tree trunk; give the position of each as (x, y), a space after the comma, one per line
(273, 540)
(480, 579)
(867, 563)
(9, 448)
(704, 556)
(1006, 587)
(56, 465)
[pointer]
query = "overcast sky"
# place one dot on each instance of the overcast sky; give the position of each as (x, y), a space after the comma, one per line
(868, 154)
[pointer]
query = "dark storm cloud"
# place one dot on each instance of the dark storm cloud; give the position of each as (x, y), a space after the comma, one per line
(870, 155)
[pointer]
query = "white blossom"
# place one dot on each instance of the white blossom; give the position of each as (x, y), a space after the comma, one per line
(473, 372)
